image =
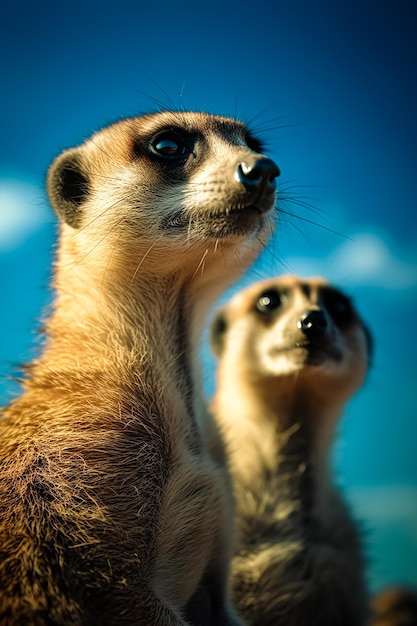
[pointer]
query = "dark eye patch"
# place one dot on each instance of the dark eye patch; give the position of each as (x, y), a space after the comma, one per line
(169, 145)
(254, 143)
(218, 332)
(338, 306)
(269, 301)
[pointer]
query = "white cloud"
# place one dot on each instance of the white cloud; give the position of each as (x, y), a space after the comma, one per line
(23, 210)
(366, 259)
(386, 504)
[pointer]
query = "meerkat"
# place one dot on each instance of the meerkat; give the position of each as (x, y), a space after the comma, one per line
(111, 508)
(395, 606)
(291, 353)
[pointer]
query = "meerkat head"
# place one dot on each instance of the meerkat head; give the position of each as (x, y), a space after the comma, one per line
(167, 183)
(290, 327)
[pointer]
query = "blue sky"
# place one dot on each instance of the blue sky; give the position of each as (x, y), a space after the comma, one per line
(331, 87)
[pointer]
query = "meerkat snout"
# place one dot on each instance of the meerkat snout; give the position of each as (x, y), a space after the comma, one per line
(257, 173)
(313, 323)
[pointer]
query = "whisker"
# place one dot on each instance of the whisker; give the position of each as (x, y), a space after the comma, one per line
(116, 179)
(299, 201)
(294, 224)
(238, 258)
(201, 264)
(251, 119)
(285, 198)
(107, 264)
(142, 260)
(160, 103)
(313, 223)
(108, 155)
(100, 241)
(264, 129)
(271, 251)
(111, 206)
(181, 97)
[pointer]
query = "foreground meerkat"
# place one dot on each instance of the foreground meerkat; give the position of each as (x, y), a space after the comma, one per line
(111, 510)
(291, 353)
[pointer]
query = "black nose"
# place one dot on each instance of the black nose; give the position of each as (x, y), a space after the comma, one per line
(254, 172)
(313, 324)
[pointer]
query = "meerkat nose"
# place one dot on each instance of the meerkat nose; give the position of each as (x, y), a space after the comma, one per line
(313, 323)
(255, 172)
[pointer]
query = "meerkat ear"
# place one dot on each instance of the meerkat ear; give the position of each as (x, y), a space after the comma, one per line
(218, 332)
(68, 186)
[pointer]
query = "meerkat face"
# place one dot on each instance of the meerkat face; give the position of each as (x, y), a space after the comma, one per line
(288, 326)
(172, 180)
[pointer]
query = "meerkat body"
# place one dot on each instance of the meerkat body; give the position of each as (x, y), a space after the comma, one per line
(291, 354)
(111, 509)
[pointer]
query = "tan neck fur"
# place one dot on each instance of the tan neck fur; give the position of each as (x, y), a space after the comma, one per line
(135, 330)
(276, 433)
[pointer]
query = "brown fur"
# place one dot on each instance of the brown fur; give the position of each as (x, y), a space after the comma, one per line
(111, 509)
(280, 394)
(395, 606)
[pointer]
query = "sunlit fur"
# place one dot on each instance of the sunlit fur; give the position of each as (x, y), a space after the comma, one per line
(111, 509)
(299, 560)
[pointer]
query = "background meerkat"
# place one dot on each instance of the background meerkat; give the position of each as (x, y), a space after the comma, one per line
(291, 353)
(111, 510)
(395, 606)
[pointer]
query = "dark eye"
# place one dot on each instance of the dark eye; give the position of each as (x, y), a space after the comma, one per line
(170, 146)
(269, 301)
(339, 307)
